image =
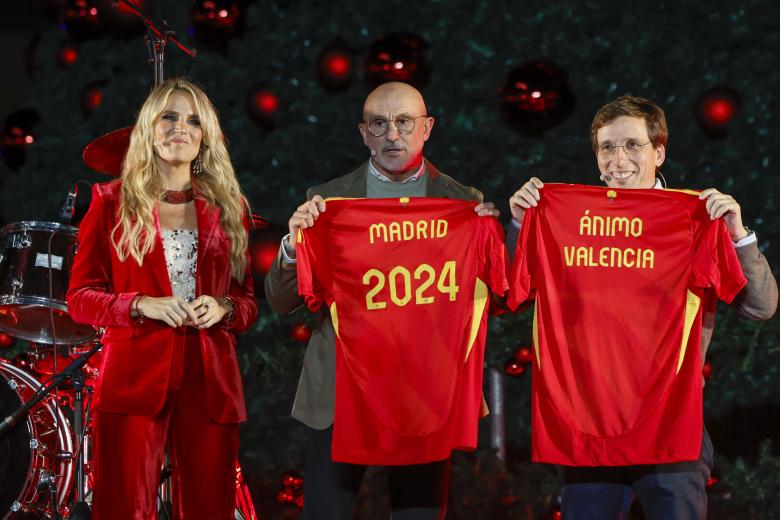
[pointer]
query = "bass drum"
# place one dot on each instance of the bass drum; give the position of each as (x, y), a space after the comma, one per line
(34, 451)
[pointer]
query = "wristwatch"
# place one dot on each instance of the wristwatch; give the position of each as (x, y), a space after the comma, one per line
(289, 250)
(749, 232)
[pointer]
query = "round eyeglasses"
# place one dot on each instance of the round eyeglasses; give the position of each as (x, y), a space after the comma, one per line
(403, 125)
(630, 147)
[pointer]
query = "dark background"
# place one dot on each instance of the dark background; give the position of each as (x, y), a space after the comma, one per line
(671, 52)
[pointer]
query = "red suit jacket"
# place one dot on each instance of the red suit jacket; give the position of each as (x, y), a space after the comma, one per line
(137, 357)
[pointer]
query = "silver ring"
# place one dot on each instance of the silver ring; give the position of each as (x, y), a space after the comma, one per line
(206, 306)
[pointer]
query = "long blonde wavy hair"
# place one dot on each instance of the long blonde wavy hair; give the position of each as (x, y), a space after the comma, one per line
(142, 187)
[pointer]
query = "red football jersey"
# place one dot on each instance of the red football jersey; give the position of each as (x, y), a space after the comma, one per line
(407, 282)
(620, 278)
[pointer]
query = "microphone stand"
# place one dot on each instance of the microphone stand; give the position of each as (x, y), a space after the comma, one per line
(156, 40)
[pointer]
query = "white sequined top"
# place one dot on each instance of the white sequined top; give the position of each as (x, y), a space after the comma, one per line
(181, 257)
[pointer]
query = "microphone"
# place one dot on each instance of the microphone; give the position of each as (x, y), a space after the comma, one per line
(76, 203)
(66, 213)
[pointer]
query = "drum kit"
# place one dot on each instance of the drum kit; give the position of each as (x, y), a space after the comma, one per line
(46, 429)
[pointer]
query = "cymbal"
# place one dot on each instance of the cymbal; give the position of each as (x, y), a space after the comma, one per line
(106, 153)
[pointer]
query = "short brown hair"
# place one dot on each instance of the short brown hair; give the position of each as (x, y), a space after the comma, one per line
(632, 106)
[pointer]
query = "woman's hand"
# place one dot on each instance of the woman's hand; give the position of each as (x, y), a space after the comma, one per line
(210, 310)
(172, 310)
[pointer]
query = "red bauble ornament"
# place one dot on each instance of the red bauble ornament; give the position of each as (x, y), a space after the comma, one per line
(301, 332)
(81, 19)
(715, 109)
(6, 341)
(266, 102)
(535, 97)
(286, 496)
(706, 370)
(514, 368)
(292, 480)
(262, 104)
(17, 135)
(215, 22)
(92, 96)
(711, 482)
(263, 255)
(334, 66)
(264, 242)
(299, 501)
(396, 57)
(524, 355)
(68, 55)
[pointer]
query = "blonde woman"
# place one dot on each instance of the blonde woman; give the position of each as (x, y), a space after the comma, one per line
(162, 265)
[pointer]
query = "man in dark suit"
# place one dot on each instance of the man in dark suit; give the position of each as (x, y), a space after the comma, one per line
(628, 137)
(395, 127)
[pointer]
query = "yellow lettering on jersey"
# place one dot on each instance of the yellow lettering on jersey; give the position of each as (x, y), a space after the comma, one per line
(692, 305)
(429, 273)
(403, 273)
(406, 230)
(401, 289)
(380, 283)
(377, 230)
(648, 258)
(441, 228)
(422, 229)
(582, 256)
(569, 255)
(598, 226)
(395, 231)
(480, 301)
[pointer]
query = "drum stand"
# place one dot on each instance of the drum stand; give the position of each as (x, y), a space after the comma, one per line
(80, 510)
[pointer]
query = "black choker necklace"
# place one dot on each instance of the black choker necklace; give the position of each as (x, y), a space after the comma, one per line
(177, 197)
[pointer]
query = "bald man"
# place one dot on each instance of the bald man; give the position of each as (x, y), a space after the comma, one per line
(395, 127)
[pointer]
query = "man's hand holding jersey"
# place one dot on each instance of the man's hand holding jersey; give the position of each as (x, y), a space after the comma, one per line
(723, 205)
(524, 198)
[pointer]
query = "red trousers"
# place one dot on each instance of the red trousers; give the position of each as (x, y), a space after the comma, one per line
(129, 451)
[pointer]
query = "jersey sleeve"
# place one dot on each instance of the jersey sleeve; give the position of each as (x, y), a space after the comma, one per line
(310, 259)
(716, 264)
(521, 273)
